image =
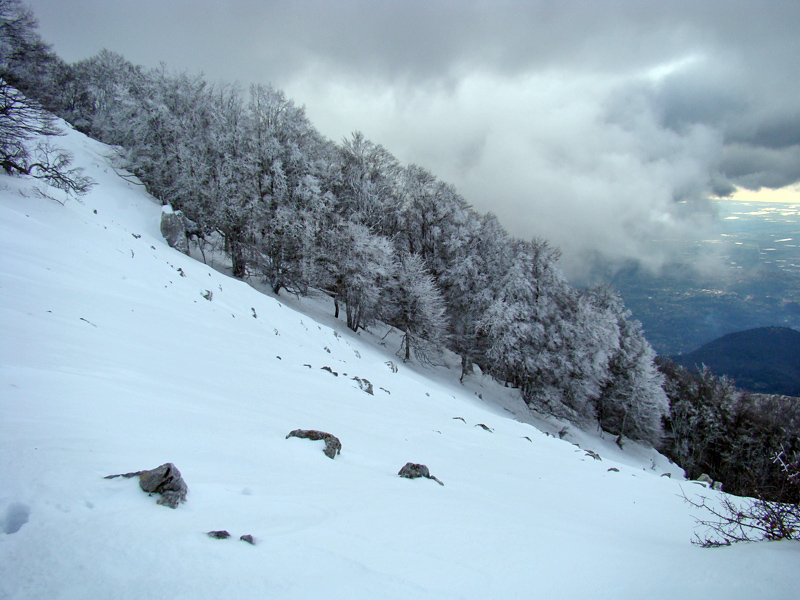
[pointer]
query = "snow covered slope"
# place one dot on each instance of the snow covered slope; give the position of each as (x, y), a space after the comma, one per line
(113, 360)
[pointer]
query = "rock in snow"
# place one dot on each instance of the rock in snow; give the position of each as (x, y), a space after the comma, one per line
(177, 229)
(332, 444)
(165, 480)
(414, 470)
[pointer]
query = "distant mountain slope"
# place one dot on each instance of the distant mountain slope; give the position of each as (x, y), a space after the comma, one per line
(764, 360)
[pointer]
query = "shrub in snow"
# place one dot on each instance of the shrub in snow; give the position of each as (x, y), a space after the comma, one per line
(332, 444)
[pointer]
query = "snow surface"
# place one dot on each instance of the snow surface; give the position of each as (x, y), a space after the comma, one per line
(112, 360)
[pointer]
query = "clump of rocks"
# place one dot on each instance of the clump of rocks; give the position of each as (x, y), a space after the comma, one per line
(224, 535)
(332, 444)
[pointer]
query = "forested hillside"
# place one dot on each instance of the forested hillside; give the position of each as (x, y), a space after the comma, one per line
(386, 241)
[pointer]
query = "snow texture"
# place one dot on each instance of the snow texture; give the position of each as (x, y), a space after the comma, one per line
(112, 359)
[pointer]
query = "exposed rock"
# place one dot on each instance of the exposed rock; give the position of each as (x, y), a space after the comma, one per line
(669, 475)
(165, 480)
(704, 478)
(484, 427)
(219, 535)
(331, 371)
(460, 419)
(248, 538)
(177, 229)
(614, 469)
(365, 385)
(332, 444)
(593, 454)
(414, 470)
(717, 486)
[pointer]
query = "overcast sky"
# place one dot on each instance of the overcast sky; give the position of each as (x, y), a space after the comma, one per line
(597, 124)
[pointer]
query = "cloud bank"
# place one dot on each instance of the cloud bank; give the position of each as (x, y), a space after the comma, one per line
(602, 126)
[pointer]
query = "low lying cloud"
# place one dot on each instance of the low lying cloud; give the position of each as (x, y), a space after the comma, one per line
(602, 126)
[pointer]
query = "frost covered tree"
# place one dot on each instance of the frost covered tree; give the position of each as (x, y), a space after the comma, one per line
(27, 130)
(545, 338)
(291, 163)
(365, 184)
(632, 402)
(426, 216)
(26, 147)
(479, 253)
(416, 307)
(27, 63)
(356, 266)
(521, 324)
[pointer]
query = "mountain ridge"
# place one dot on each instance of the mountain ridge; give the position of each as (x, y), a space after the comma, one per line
(763, 360)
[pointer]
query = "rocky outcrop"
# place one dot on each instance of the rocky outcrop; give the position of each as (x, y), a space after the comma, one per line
(332, 444)
(177, 228)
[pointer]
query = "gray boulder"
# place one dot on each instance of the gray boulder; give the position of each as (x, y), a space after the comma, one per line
(332, 444)
(414, 470)
(704, 478)
(167, 481)
(177, 229)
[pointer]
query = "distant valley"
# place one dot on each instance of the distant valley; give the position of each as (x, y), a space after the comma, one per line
(758, 286)
(764, 360)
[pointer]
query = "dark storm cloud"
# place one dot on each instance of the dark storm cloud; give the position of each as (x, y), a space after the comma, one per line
(594, 123)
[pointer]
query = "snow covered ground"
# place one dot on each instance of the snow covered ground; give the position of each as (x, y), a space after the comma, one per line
(113, 360)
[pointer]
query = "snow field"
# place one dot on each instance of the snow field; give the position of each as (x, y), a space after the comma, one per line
(112, 361)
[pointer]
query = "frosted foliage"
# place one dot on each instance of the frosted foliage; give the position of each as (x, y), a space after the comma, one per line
(357, 265)
(417, 309)
(633, 402)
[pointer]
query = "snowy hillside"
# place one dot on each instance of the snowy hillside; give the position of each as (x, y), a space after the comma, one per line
(120, 354)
